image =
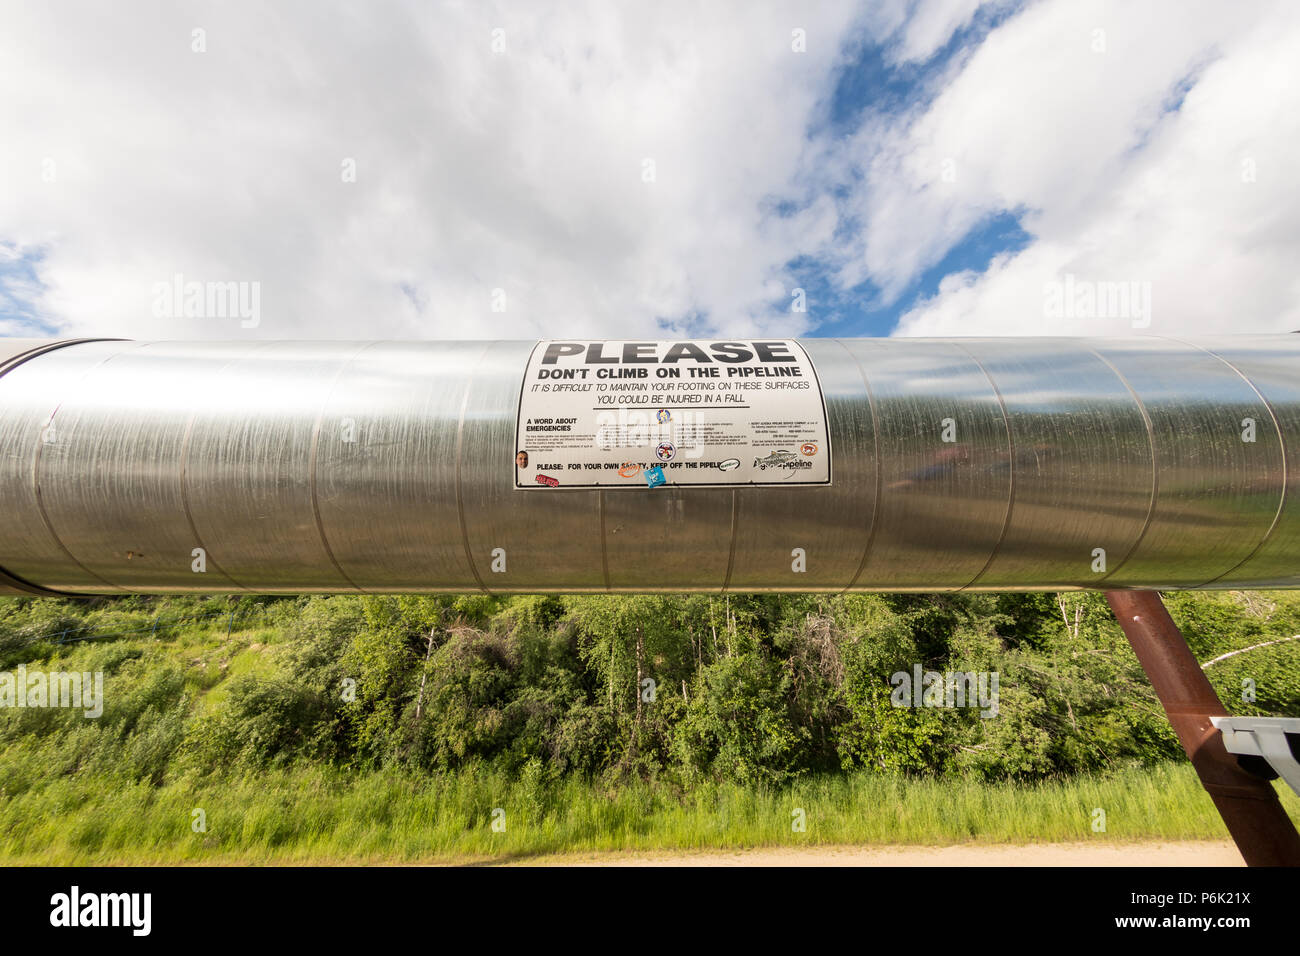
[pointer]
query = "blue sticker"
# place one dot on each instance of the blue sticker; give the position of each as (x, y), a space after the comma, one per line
(655, 476)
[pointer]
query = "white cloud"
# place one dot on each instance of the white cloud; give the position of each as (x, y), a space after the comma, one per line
(476, 170)
(1114, 185)
(523, 170)
(930, 25)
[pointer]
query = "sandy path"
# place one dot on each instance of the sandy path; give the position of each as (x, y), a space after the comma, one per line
(1210, 853)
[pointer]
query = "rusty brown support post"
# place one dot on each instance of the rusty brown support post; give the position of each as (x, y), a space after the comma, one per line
(1248, 804)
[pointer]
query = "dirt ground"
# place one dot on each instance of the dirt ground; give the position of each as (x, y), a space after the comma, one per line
(1043, 854)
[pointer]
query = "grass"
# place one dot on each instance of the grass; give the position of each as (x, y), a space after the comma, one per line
(316, 816)
(67, 794)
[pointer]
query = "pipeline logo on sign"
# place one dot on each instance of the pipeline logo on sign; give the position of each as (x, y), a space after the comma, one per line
(787, 461)
(775, 459)
(548, 481)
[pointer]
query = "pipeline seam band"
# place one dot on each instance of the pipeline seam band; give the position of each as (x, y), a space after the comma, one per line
(875, 441)
(460, 443)
(1011, 470)
(311, 468)
(6, 577)
(1155, 470)
(735, 528)
(185, 492)
(1281, 442)
(36, 485)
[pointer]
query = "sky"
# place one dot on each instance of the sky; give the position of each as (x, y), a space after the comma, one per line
(633, 170)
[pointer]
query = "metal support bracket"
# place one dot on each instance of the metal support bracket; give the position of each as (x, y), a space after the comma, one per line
(1267, 737)
(1244, 798)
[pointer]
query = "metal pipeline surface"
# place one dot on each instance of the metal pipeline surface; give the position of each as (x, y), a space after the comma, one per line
(1000, 464)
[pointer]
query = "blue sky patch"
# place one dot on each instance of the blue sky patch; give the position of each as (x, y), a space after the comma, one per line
(859, 311)
(19, 286)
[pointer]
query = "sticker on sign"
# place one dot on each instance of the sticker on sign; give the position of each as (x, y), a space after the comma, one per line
(604, 414)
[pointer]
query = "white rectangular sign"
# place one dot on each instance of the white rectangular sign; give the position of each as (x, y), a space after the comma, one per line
(629, 414)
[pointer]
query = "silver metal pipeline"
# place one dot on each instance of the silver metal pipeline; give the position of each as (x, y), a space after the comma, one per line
(1000, 464)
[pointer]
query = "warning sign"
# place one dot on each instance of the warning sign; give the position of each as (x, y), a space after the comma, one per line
(627, 414)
